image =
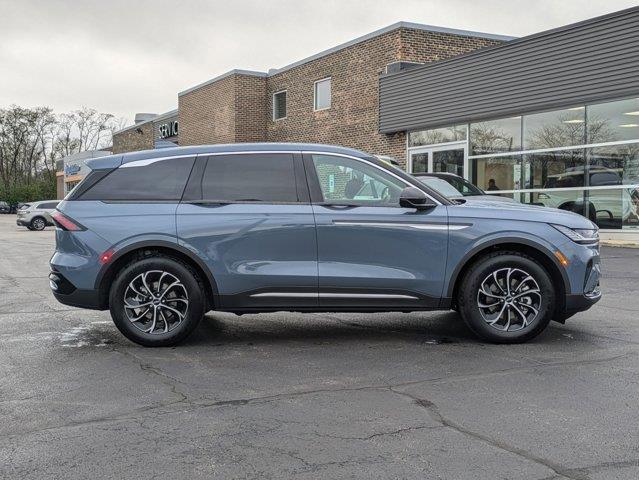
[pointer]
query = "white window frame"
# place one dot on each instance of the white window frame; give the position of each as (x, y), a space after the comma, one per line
(330, 98)
(273, 105)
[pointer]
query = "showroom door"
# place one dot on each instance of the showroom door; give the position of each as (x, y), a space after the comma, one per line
(445, 158)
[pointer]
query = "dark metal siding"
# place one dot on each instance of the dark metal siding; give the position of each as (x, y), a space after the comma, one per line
(592, 60)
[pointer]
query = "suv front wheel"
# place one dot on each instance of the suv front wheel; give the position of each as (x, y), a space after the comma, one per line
(156, 301)
(506, 297)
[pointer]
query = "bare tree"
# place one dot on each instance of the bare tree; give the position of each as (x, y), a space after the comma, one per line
(32, 139)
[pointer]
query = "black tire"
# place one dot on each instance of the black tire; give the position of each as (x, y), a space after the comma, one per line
(38, 223)
(469, 297)
(29, 227)
(184, 325)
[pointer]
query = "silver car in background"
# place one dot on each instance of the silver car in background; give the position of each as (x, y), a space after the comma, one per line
(36, 215)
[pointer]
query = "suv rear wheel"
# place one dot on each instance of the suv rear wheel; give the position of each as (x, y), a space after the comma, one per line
(156, 301)
(506, 297)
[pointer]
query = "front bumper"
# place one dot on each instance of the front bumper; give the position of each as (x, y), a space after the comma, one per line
(584, 282)
(22, 223)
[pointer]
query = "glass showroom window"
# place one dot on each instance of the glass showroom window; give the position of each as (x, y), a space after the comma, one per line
(455, 133)
(495, 136)
(498, 173)
(613, 121)
(557, 169)
(279, 105)
(614, 165)
(561, 128)
(322, 94)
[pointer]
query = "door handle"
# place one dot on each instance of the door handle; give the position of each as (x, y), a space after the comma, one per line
(338, 206)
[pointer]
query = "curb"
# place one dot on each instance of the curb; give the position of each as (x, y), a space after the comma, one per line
(619, 243)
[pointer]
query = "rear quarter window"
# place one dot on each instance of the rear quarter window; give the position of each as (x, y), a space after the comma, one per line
(162, 180)
(47, 205)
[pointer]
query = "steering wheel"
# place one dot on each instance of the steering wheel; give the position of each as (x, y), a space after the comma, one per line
(386, 196)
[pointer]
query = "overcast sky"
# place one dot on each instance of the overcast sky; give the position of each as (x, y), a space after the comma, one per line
(128, 56)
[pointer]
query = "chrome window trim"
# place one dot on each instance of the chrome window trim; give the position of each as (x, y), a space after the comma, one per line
(417, 226)
(331, 295)
(149, 161)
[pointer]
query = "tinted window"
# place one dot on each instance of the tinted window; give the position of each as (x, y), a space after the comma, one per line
(268, 177)
(161, 180)
(48, 205)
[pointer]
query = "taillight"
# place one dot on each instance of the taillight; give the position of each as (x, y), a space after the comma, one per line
(65, 223)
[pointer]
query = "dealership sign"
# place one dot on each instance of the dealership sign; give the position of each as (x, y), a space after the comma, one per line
(72, 169)
(169, 129)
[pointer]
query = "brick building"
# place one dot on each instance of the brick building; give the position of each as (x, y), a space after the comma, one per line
(281, 105)
(549, 119)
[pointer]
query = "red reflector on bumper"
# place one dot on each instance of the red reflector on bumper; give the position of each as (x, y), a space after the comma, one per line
(106, 256)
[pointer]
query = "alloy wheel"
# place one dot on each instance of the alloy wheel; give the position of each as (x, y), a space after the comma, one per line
(38, 224)
(156, 302)
(509, 299)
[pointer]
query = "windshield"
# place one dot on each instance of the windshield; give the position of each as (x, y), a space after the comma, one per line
(442, 186)
(466, 188)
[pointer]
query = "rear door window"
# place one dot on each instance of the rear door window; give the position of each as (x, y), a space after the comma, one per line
(48, 205)
(250, 177)
(161, 180)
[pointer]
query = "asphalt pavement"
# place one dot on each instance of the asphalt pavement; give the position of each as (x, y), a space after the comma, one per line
(326, 396)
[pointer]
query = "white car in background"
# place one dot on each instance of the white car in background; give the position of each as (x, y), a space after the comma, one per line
(36, 215)
(607, 207)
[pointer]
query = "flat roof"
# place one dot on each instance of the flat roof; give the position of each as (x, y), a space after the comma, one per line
(161, 116)
(341, 46)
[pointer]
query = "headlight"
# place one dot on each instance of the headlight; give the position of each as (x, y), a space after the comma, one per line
(580, 235)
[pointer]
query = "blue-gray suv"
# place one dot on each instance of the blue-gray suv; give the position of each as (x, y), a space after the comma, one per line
(161, 237)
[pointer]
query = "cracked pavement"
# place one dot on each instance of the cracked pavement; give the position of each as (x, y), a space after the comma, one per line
(287, 395)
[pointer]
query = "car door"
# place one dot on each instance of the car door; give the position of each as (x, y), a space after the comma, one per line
(248, 216)
(373, 253)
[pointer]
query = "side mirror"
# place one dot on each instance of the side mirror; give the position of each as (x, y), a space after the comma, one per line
(413, 197)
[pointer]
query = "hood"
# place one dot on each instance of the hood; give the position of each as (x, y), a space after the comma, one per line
(489, 198)
(480, 208)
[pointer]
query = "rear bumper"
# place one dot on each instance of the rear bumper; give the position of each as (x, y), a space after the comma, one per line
(66, 293)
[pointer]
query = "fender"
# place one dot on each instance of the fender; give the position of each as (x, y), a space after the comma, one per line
(162, 244)
(504, 240)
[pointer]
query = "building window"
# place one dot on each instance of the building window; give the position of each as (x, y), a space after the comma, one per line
(455, 133)
(613, 121)
(322, 94)
(498, 173)
(279, 105)
(495, 136)
(560, 128)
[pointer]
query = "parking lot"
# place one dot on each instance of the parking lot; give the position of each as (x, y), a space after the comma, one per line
(313, 396)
